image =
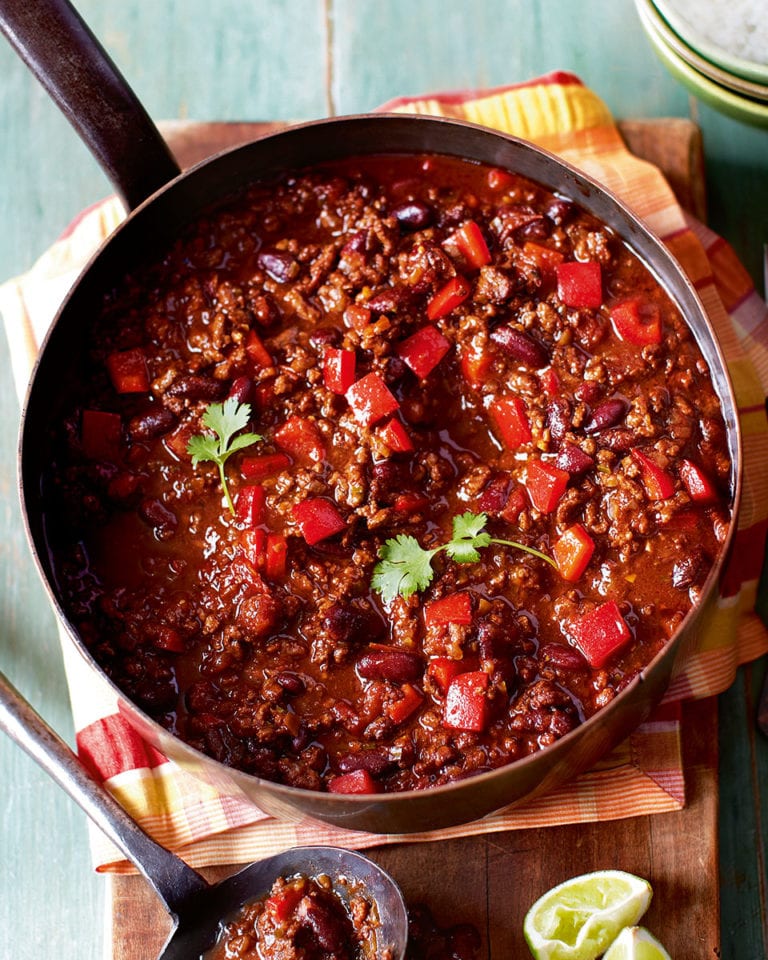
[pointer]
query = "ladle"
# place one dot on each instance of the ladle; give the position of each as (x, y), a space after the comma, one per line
(196, 906)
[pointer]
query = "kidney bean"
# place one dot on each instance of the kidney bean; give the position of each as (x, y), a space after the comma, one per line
(388, 300)
(587, 392)
(520, 346)
(618, 439)
(573, 460)
(398, 666)
(325, 337)
(279, 264)
(412, 215)
(689, 570)
(374, 759)
(325, 924)
(559, 210)
(152, 423)
(558, 418)
(538, 229)
(155, 514)
(562, 656)
(606, 414)
(388, 477)
(241, 390)
(264, 309)
(348, 624)
(196, 387)
(494, 497)
(290, 682)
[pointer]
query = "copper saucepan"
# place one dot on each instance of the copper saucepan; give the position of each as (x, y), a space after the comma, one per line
(68, 60)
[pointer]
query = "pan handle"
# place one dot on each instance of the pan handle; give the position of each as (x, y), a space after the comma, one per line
(68, 60)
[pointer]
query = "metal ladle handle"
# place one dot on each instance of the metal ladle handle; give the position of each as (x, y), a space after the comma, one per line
(174, 881)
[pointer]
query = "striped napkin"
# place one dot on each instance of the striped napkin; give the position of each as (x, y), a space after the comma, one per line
(645, 773)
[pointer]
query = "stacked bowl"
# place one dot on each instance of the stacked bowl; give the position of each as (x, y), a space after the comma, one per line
(718, 49)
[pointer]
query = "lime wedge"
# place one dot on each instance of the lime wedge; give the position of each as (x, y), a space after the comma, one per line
(580, 918)
(635, 943)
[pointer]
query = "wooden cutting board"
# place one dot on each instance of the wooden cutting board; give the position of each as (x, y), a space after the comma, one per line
(490, 881)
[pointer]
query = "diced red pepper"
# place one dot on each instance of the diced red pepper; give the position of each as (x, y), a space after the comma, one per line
(700, 488)
(371, 399)
(448, 297)
(580, 283)
(659, 485)
(264, 394)
(550, 382)
(601, 633)
(637, 322)
(168, 639)
(177, 441)
(358, 781)
(282, 905)
(250, 504)
(254, 547)
(338, 369)
(301, 438)
(516, 503)
(357, 316)
(442, 670)
(396, 437)
(263, 466)
(257, 353)
(399, 710)
(572, 552)
(410, 503)
(101, 434)
(545, 484)
(318, 519)
(276, 556)
(466, 703)
(475, 364)
(472, 244)
(454, 608)
(545, 258)
(128, 371)
(511, 419)
(423, 350)
(499, 179)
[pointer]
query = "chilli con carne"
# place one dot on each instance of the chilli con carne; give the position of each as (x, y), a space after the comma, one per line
(405, 343)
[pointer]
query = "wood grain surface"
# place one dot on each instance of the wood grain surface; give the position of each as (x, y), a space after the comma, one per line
(490, 881)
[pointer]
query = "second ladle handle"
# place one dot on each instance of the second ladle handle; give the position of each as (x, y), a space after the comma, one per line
(174, 881)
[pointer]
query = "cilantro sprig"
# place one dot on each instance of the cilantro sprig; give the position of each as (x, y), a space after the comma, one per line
(225, 420)
(405, 567)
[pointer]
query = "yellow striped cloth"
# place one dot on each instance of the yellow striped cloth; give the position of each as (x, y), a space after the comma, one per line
(644, 774)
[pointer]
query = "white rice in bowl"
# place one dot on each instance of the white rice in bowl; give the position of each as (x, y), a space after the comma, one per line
(737, 27)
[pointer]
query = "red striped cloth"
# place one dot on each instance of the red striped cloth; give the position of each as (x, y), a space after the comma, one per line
(644, 774)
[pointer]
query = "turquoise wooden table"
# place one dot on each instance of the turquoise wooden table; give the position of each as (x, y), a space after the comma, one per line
(231, 60)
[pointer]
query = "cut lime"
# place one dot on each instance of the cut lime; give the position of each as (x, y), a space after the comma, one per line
(636, 943)
(580, 918)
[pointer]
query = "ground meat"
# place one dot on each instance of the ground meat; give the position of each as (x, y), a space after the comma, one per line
(416, 378)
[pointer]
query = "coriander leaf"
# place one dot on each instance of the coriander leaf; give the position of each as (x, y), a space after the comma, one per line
(468, 535)
(225, 419)
(463, 551)
(469, 525)
(404, 568)
(202, 447)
